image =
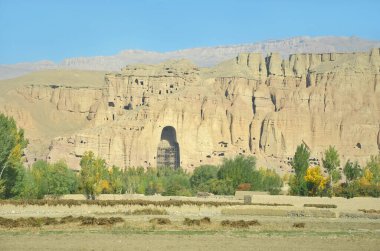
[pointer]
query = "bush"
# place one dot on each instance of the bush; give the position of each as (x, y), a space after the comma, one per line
(177, 185)
(201, 175)
(220, 187)
(274, 191)
(267, 180)
(239, 170)
(373, 166)
(235, 174)
(370, 190)
(45, 179)
(352, 171)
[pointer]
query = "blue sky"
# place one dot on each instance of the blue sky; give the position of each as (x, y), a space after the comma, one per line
(32, 30)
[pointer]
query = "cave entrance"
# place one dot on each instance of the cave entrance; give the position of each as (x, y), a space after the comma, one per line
(168, 149)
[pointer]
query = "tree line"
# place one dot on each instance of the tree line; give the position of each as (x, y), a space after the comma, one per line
(310, 181)
(96, 178)
(239, 173)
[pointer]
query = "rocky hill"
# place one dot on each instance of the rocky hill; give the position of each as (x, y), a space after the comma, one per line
(177, 114)
(203, 57)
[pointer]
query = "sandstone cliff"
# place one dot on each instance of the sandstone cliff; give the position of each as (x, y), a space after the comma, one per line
(252, 105)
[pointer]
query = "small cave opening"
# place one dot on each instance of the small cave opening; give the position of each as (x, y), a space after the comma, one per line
(359, 146)
(128, 107)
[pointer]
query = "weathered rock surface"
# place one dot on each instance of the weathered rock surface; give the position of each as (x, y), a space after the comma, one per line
(250, 105)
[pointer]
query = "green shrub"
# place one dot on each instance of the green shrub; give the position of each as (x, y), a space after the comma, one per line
(202, 175)
(267, 180)
(221, 187)
(239, 170)
(45, 179)
(177, 185)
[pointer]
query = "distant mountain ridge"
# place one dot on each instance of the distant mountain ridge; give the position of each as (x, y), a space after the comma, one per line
(205, 56)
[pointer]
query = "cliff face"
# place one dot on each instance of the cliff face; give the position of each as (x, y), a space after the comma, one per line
(250, 105)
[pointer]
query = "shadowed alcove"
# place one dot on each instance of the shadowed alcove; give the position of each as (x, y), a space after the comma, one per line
(168, 149)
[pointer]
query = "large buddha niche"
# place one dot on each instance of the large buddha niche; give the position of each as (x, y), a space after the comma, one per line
(168, 149)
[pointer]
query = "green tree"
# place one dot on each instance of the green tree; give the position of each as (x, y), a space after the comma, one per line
(352, 171)
(93, 175)
(116, 180)
(239, 170)
(25, 186)
(220, 187)
(300, 164)
(39, 172)
(45, 179)
(153, 182)
(133, 179)
(270, 181)
(60, 179)
(177, 185)
(202, 174)
(373, 165)
(331, 162)
(12, 143)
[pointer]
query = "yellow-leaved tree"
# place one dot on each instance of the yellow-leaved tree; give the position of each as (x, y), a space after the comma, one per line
(315, 181)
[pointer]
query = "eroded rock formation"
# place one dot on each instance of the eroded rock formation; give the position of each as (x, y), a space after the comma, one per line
(250, 105)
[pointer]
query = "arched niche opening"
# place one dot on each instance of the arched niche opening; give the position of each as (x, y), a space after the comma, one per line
(168, 149)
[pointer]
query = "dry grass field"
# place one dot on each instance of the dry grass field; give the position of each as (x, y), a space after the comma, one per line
(161, 223)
